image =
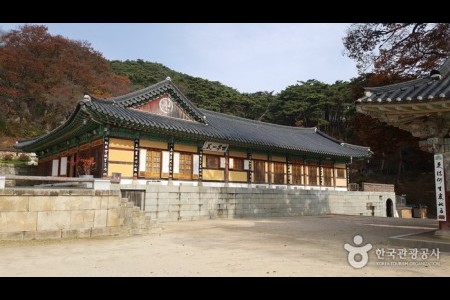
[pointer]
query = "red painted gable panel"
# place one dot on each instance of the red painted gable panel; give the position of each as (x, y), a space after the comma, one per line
(164, 106)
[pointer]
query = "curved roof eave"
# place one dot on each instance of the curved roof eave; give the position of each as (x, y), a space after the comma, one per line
(220, 127)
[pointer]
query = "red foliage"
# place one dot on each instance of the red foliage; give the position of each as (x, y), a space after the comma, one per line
(43, 76)
(85, 165)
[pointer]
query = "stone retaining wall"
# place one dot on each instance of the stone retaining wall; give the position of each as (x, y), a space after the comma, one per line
(171, 203)
(69, 213)
(48, 214)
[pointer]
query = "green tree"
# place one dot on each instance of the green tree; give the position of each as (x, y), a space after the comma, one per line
(315, 104)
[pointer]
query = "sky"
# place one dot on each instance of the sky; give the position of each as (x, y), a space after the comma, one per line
(247, 57)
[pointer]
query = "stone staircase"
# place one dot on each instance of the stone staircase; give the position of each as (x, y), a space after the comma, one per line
(133, 221)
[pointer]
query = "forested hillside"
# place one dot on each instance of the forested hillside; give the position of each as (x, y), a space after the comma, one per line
(43, 76)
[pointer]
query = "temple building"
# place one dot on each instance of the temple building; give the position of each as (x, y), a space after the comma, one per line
(157, 134)
(422, 107)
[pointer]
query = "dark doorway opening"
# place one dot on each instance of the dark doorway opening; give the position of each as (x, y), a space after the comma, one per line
(389, 208)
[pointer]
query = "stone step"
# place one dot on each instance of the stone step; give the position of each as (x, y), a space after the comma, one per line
(128, 204)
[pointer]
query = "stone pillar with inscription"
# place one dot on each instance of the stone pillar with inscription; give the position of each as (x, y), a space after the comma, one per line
(445, 225)
(443, 203)
(442, 181)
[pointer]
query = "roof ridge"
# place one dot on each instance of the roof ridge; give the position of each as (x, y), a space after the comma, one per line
(328, 136)
(106, 101)
(342, 143)
(444, 69)
(138, 92)
(256, 121)
(396, 86)
(354, 146)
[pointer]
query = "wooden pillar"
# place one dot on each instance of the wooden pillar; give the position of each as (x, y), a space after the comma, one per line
(288, 171)
(170, 161)
(77, 158)
(320, 174)
(200, 164)
(347, 174)
(136, 159)
(334, 175)
(304, 173)
(71, 166)
(250, 170)
(269, 169)
(105, 155)
(227, 167)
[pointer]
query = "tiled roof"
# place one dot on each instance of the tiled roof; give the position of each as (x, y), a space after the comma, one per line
(218, 127)
(431, 88)
(139, 97)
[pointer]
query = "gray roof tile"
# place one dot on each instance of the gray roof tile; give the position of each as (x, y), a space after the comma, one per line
(417, 90)
(219, 127)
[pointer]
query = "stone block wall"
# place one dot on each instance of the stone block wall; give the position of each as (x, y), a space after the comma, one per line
(17, 169)
(377, 187)
(172, 203)
(70, 213)
(47, 214)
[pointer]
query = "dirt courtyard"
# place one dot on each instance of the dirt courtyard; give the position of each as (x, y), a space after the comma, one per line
(294, 246)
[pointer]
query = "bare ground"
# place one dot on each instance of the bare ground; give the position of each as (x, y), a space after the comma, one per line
(295, 246)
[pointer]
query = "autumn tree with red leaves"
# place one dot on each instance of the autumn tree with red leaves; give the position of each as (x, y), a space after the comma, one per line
(398, 48)
(43, 76)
